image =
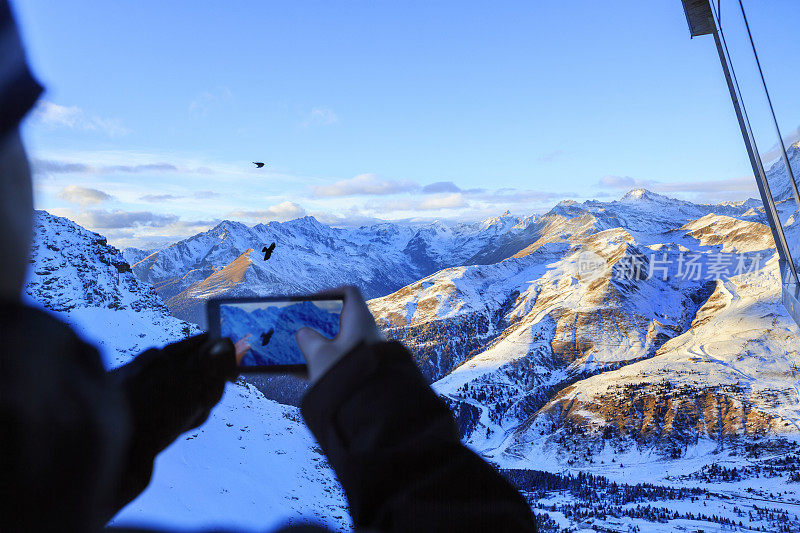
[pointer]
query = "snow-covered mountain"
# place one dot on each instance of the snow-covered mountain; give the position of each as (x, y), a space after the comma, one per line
(252, 465)
(778, 176)
(75, 274)
(382, 258)
(641, 378)
(731, 375)
(530, 350)
(308, 256)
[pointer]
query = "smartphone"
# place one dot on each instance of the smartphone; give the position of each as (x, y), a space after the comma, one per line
(268, 325)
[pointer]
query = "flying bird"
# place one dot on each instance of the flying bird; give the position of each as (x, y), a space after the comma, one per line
(259, 164)
(265, 337)
(267, 250)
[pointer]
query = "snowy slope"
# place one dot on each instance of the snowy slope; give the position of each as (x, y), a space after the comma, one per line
(134, 255)
(253, 464)
(731, 374)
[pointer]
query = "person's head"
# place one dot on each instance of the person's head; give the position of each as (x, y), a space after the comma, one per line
(16, 210)
(18, 93)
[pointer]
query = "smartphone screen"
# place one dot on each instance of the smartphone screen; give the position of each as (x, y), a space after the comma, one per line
(267, 326)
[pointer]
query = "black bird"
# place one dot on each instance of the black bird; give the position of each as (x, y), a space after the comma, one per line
(259, 164)
(265, 337)
(267, 250)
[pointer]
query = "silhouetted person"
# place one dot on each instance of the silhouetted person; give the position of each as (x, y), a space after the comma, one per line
(265, 337)
(258, 164)
(78, 442)
(267, 250)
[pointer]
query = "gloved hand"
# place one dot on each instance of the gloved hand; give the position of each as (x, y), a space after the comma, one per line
(170, 391)
(356, 326)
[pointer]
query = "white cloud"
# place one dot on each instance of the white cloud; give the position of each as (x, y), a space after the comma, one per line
(320, 116)
(147, 167)
(363, 184)
(351, 217)
(98, 219)
(775, 152)
(469, 201)
(745, 184)
(428, 203)
(46, 166)
(441, 186)
(518, 196)
(72, 117)
(283, 211)
(83, 196)
(142, 229)
(118, 222)
(50, 166)
(159, 197)
(448, 201)
(199, 195)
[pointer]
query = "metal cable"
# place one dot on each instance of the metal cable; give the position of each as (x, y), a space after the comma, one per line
(756, 159)
(792, 180)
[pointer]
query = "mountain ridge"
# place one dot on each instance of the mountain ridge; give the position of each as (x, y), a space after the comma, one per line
(378, 258)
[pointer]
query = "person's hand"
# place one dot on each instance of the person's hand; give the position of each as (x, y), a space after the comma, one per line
(169, 391)
(172, 390)
(356, 325)
(241, 347)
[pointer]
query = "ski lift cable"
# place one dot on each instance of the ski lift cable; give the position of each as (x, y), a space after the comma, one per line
(783, 247)
(761, 179)
(792, 180)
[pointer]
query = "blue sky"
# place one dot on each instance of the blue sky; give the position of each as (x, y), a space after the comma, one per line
(413, 110)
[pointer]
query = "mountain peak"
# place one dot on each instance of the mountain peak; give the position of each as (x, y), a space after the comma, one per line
(502, 221)
(227, 225)
(308, 219)
(793, 151)
(76, 268)
(778, 175)
(307, 222)
(637, 195)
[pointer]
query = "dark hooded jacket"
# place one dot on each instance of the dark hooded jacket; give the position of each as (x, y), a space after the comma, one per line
(79, 442)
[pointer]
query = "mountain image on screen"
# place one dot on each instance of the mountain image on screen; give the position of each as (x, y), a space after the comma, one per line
(281, 347)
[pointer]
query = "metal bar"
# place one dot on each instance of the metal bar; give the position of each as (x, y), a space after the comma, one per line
(790, 294)
(792, 180)
(752, 152)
